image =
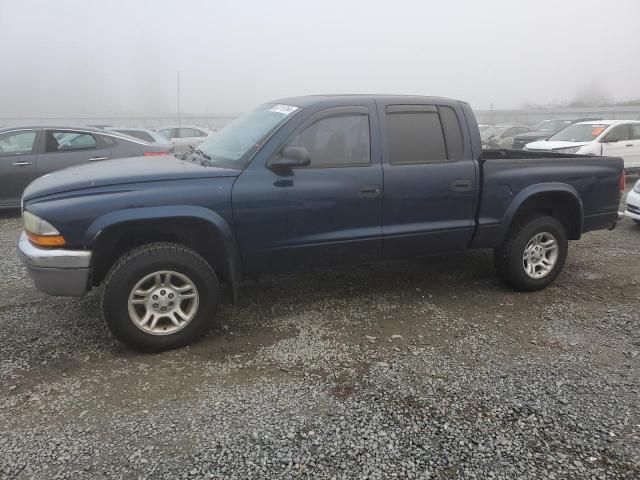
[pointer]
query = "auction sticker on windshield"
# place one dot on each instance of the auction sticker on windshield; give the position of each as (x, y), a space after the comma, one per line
(285, 109)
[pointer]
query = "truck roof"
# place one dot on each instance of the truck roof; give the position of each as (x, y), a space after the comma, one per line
(309, 100)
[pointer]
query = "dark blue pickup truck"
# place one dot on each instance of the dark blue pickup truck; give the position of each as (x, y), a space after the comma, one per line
(298, 183)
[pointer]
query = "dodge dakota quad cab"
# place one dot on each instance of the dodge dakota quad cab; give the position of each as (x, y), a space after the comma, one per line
(298, 183)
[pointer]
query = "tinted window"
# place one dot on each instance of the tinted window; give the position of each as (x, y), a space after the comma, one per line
(414, 135)
(509, 133)
(138, 134)
(68, 141)
(336, 141)
(17, 143)
(621, 132)
(635, 131)
(452, 133)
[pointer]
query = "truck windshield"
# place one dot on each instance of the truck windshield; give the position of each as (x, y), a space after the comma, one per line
(580, 132)
(233, 146)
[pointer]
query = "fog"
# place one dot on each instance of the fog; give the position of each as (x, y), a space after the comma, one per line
(123, 57)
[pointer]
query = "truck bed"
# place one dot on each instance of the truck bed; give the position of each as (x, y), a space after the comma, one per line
(507, 178)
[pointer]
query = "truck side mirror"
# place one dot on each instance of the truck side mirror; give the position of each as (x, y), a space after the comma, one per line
(291, 157)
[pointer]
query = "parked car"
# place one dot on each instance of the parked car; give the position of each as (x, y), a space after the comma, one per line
(619, 138)
(633, 203)
(544, 130)
(29, 152)
(185, 136)
(501, 135)
(298, 183)
(146, 135)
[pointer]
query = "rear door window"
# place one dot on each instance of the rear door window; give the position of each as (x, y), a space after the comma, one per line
(169, 133)
(62, 141)
(635, 131)
(189, 133)
(415, 135)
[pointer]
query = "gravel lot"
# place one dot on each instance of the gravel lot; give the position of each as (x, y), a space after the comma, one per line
(418, 369)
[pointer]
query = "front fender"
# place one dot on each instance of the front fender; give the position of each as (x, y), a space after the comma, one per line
(157, 213)
(232, 267)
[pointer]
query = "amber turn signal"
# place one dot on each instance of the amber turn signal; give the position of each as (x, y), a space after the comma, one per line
(46, 240)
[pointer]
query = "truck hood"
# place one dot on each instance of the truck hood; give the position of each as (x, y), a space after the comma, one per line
(544, 145)
(120, 172)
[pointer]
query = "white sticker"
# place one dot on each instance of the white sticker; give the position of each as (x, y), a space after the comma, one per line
(285, 109)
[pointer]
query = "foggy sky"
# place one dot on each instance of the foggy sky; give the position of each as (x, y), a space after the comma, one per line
(122, 57)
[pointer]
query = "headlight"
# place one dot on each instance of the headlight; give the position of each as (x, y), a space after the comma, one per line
(567, 150)
(41, 232)
(636, 187)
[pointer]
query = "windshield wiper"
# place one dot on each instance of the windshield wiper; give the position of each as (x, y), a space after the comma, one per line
(200, 153)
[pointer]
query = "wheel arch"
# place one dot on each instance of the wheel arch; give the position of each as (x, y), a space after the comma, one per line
(112, 235)
(557, 200)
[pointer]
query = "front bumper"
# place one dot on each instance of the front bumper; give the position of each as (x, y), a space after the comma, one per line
(633, 205)
(56, 271)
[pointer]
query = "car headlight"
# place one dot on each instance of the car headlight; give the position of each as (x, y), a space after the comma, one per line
(636, 187)
(567, 150)
(41, 232)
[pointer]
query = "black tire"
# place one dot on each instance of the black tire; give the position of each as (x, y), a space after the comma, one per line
(143, 261)
(508, 257)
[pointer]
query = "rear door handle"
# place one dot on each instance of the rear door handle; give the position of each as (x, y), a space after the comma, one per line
(21, 164)
(629, 145)
(461, 185)
(97, 159)
(369, 191)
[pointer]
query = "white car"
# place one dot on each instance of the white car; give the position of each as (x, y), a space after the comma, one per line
(613, 138)
(184, 136)
(633, 203)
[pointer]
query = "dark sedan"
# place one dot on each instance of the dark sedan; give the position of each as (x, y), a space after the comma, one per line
(30, 152)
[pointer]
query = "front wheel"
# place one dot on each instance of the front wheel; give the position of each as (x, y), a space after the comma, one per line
(159, 297)
(533, 253)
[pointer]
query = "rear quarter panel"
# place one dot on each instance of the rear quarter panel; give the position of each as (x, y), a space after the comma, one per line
(507, 183)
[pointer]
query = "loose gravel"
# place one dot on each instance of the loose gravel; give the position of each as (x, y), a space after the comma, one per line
(420, 369)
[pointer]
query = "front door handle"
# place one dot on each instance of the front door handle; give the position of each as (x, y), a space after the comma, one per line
(629, 145)
(21, 164)
(461, 185)
(369, 191)
(97, 159)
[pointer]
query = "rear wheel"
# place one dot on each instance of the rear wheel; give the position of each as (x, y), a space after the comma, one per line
(533, 254)
(159, 297)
